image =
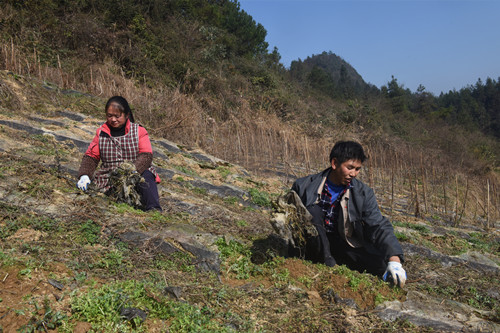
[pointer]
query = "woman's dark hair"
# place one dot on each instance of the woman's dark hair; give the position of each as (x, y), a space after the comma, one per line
(347, 150)
(122, 106)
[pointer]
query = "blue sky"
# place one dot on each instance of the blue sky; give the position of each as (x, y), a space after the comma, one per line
(441, 44)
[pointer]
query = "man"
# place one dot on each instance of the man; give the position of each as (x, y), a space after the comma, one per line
(351, 228)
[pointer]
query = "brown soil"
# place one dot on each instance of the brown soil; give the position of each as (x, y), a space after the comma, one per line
(22, 291)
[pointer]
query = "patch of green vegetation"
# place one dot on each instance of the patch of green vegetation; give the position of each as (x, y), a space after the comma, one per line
(369, 284)
(89, 232)
(7, 259)
(280, 276)
(102, 306)
(199, 190)
(186, 170)
(379, 299)
(259, 198)
(458, 246)
(159, 217)
(36, 188)
(26, 221)
(448, 291)
(231, 200)
(223, 172)
(25, 272)
(31, 248)
(481, 301)
(430, 244)
(6, 169)
(9, 228)
(355, 278)
(402, 237)
(122, 208)
(42, 138)
(241, 223)
(424, 230)
(111, 261)
(44, 151)
(237, 258)
(307, 281)
(49, 320)
(484, 242)
(181, 261)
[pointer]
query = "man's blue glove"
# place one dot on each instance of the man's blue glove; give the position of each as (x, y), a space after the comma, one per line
(396, 271)
(83, 183)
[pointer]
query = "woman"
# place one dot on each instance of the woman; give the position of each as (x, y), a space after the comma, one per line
(119, 140)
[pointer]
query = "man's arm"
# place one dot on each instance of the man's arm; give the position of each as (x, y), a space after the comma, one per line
(379, 229)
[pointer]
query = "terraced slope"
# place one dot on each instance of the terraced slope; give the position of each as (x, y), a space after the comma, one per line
(76, 262)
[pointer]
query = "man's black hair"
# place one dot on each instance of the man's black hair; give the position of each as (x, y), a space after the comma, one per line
(122, 106)
(347, 150)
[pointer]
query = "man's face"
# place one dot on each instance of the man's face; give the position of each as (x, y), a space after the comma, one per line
(343, 174)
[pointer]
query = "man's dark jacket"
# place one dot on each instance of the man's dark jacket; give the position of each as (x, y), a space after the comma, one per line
(368, 222)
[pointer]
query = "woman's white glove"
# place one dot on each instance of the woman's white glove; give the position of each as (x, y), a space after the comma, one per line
(396, 271)
(83, 183)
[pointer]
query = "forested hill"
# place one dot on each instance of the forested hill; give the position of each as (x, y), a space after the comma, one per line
(331, 74)
(215, 56)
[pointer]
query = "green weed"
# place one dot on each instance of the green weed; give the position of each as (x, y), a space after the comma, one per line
(355, 279)
(31, 248)
(186, 171)
(89, 232)
(379, 299)
(7, 259)
(201, 191)
(45, 224)
(237, 258)
(402, 237)
(50, 319)
(25, 272)
(424, 230)
(112, 262)
(44, 151)
(158, 217)
(42, 138)
(241, 223)
(224, 172)
(122, 208)
(281, 277)
(484, 242)
(479, 300)
(259, 198)
(231, 200)
(178, 260)
(101, 307)
(306, 281)
(9, 228)
(459, 246)
(36, 188)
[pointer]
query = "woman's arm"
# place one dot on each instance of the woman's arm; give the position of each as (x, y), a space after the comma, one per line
(145, 157)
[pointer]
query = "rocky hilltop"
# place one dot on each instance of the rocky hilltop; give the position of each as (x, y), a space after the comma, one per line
(211, 261)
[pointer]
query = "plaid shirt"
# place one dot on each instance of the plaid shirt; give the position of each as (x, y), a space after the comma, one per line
(329, 203)
(116, 150)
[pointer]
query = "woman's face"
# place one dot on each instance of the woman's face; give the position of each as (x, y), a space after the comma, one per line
(115, 117)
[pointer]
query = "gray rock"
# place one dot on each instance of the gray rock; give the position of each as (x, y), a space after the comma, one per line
(447, 261)
(203, 258)
(438, 314)
(175, 292)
